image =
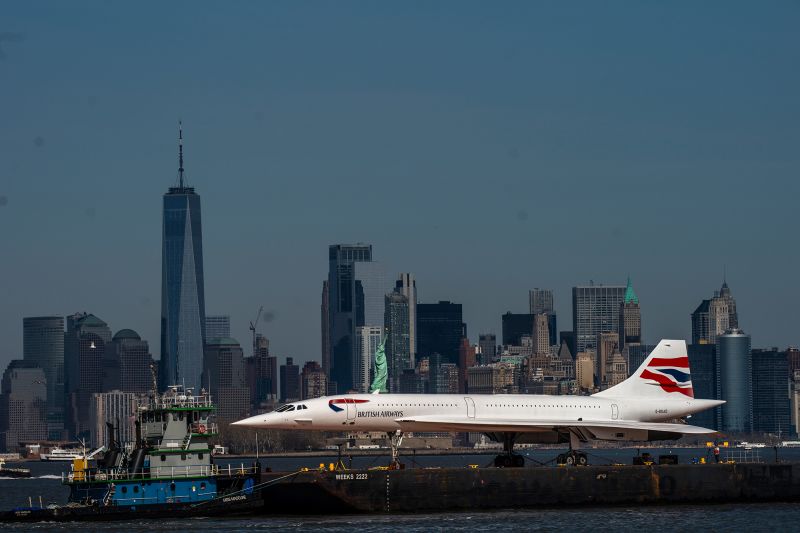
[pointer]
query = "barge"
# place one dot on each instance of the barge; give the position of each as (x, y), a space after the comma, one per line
(467, 489)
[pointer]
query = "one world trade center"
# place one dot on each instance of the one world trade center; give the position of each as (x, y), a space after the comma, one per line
(182, 296)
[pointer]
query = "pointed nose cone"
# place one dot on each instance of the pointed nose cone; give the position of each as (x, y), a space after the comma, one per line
(246, 422)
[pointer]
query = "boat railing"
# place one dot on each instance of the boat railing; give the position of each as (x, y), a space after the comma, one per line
(159, 472)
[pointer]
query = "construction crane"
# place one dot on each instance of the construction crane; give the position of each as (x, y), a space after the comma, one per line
(253, 328)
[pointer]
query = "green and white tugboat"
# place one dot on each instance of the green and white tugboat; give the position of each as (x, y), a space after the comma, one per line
(169, 470)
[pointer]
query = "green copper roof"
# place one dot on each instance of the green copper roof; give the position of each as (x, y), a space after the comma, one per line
(630, 295)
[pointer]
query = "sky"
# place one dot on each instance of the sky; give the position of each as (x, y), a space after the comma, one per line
(487, 148)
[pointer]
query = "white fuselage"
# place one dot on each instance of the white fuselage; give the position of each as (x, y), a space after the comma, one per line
(380, 412)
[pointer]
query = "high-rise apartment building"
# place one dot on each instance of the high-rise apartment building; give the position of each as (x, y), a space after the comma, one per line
(223, 376)
(183, 310)
(342, 309)
(290, 381)
(218, 326)
(43, 346)
(23, 405)
(85, 344)
(630, 318)
(407, 286)
(366, 344)
(440, 328)
(127, 363)
(397, 324)
(771, 403)
(466, 359)
(584, 370)
(713, 317)
(595, 309)
(734, 366)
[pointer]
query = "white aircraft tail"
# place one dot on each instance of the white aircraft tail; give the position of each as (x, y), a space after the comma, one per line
(664, 374)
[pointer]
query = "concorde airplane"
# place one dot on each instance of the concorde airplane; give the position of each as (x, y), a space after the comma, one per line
(648, 406)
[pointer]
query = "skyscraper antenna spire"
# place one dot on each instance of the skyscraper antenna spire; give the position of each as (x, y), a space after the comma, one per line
(180, 153)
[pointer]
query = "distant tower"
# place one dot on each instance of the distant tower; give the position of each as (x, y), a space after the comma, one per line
(290, 381)
(595, 309)
(715, 316)
(23, 405)
(218, 326)
(488, 347)
(43, 346)
(398, 338)
(223, 374)
(736, 380)
(407, 286)
(630, 318)
(325, 329)
(126, 363)
(342, 309)
(183, 314)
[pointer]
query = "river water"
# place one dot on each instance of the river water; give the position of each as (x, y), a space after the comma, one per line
(46, 484)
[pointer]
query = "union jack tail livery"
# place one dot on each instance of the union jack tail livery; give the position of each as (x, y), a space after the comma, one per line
(664, 374)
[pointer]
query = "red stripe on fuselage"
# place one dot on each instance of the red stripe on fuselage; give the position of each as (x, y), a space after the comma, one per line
(666, 383)
(348, 400)
(677, 362)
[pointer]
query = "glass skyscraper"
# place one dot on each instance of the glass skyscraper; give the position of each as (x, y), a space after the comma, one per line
(43, 345)
(595, 309)
(183, 316)
(734, 367)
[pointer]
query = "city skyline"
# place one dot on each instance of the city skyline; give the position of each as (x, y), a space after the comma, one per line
(285, 170)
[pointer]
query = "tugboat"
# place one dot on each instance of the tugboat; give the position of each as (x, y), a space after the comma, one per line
(169, 470)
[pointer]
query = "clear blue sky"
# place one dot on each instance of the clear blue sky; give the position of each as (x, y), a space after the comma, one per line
(486, 147)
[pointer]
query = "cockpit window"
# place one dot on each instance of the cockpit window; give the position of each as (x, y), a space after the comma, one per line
(283, 408)
(291, 408)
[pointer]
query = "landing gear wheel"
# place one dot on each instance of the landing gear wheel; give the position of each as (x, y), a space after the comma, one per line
(569, 460)
(519, 461)
(581, 459)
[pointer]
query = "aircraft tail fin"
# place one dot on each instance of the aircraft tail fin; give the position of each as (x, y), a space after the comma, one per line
(664, 374)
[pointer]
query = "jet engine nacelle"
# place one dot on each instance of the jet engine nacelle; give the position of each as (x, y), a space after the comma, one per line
(632, 434)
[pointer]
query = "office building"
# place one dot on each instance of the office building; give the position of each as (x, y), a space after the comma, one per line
(703, 366)
(630, 318)
(314, 382)
(771, 402)
(466, 359)
(584, 370)
(290, 381)
(223, 376)
(616, 370)
(606, 345)
(397, 324)
(541, 334)
(342, 319)
(516, 326)
(118, 409)
(735, 381)
(407, 286)
(541, 301)
(218, 326)
(183, 310)
(713, 317)
(440, 328)
(497, 378)
(447, 379)
(325, 329)
(127, 363)
(43, 346)
(85, 344)
(23, 405)
(569, 338)
(487, 344)
(368, 338)
(595, 309)
(636, 354)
